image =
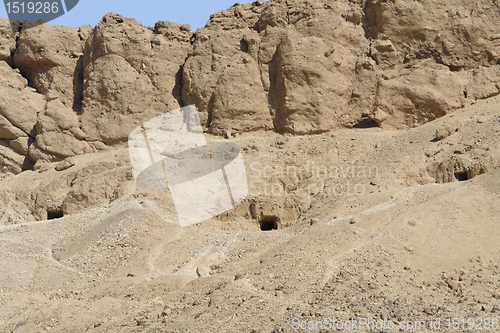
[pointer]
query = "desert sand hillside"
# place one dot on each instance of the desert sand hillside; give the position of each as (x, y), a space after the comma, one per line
(370, 133)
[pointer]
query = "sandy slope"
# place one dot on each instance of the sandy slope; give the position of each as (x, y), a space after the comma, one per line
(407, 248)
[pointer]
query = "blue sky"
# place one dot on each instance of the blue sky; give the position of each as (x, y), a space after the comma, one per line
(148, 12)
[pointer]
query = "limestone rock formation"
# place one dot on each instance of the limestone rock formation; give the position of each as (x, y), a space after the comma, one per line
(288, 66)
(63, 188)
(50, 58)
(59, 133)
(7, 40)
(221, 77)
(19, 105)
(326, 66)
(131, 74)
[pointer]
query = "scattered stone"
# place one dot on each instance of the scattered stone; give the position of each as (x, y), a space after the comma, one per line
(203, 271)
(64, 165)
(447, 129)
(51, 95)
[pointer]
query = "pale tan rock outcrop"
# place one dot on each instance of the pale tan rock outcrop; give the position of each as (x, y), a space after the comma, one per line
(417, 96)
(7, 40)
(22, 144)
(312, 89)
(63, 188)
(290, 66)
(19, 104)
(240, 106)
(98, 182)
(222, 78)
(51, 58)
(58, 131)
(299, 67)
(337, 65)
(9, 131)
(456, 34)
(131, 75)
(485, 83)
(11, 161)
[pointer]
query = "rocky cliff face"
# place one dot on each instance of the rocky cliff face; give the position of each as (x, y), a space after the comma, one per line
(322, 65)
(290, 66)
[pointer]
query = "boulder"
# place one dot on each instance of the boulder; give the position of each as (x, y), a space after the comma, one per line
(21, 144)
(19, 104)
(132, 74)
(51, 58)
(11, 161)
(416, 96)
(226, 87)
(9, 131)
(56, 129)
(7, 39)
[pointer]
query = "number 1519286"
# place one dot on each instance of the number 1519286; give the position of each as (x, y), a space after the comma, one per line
(32, 7)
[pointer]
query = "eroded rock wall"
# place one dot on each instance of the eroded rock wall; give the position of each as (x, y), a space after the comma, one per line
(290, 66)
(325, 65)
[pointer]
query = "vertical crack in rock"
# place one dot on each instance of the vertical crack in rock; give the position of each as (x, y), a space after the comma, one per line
(179, 78)
(370, 20)
(273, 97)
(177, 91)
(272, 85)
(17, 46)
(78, 80)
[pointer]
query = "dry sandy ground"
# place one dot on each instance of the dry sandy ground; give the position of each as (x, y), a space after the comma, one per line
(398, 247)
